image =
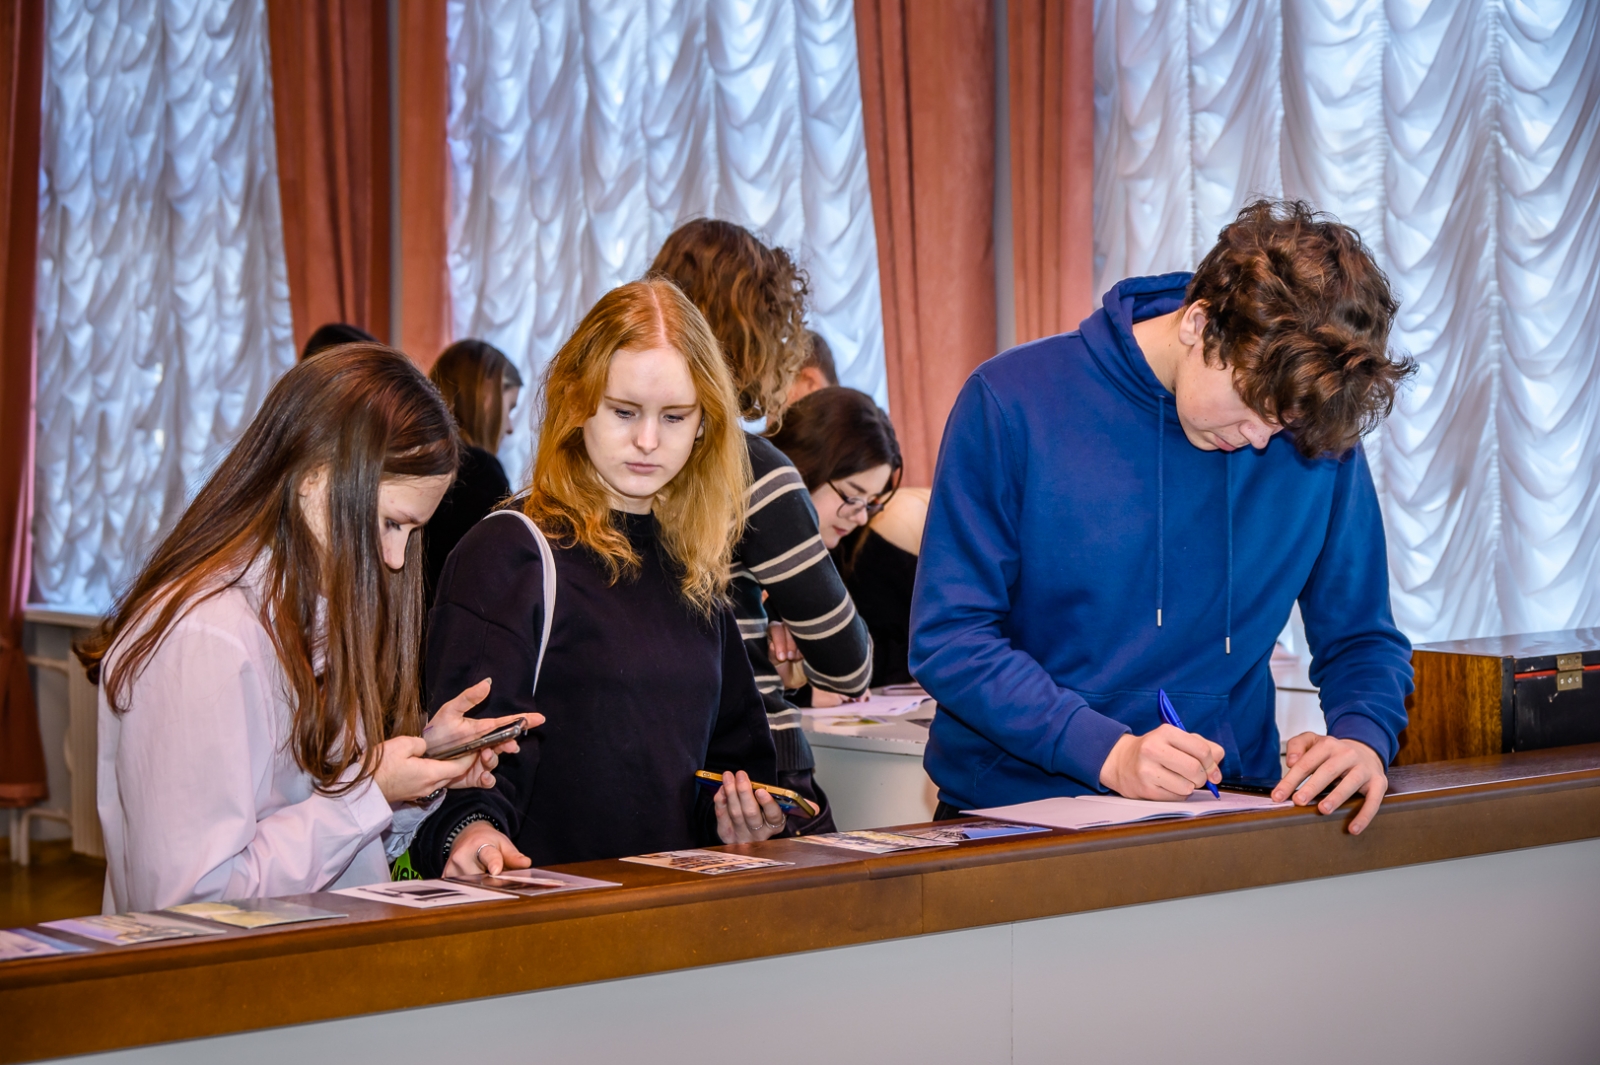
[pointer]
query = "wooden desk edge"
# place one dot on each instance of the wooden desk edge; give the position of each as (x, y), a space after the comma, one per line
(250, 982)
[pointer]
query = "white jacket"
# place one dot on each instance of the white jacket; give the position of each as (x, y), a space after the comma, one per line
(199, 796)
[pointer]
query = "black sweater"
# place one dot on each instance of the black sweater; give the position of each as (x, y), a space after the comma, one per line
(479, 487)
(880, 577)
(638, 692)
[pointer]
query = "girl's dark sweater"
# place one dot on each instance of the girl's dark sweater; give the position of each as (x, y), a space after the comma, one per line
(638, 692)
(880, 577)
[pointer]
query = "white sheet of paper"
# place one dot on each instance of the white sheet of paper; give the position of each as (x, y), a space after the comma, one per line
(1090, 811)
(873, 706)
(423, 894)
(709, 863)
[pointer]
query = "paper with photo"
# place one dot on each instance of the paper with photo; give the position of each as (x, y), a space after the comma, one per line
(871, 842)
(126, 929)
(254, 913)
(532, 882)
(873, 706)
(710, 863)
(970, 830)
(423, 894)
(1098, 811)
(22, 943)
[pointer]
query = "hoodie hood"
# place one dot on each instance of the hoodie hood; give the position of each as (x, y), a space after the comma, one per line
(1109, 335)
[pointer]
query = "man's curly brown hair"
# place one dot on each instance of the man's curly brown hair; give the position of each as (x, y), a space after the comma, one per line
(754, 298)
(1297, 307)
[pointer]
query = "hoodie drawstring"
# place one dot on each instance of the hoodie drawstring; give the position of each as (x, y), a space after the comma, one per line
(1161, 505)
(1227, 631)
(1161, 524)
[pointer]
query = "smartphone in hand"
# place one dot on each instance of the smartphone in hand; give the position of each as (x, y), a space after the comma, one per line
(488, 739)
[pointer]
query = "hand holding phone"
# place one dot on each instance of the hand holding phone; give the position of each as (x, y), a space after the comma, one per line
(492, 738)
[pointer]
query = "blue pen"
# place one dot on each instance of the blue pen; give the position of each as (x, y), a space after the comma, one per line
(1169, 716)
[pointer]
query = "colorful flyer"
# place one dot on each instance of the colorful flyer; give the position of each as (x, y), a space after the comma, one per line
(710, 863)
(960, 833)
(423, 894)
(22, 943)
(532, 882)
(127, 929)
(871, 842)
(254, 913)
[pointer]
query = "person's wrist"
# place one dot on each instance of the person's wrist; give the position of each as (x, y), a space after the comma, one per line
(466, 822)
(1111, 768)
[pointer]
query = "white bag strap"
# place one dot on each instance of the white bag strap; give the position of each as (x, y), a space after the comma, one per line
(548, 559)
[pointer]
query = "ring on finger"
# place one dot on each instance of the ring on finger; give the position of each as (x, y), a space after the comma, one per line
(479, 860)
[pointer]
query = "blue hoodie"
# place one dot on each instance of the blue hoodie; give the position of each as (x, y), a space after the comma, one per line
(1080, 553)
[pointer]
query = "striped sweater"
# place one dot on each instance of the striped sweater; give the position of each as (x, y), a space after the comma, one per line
(782, 555)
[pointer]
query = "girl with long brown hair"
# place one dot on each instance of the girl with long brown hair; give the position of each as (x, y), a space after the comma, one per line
(636, 491)
(481, 388)
(754, 296)
(259, 695)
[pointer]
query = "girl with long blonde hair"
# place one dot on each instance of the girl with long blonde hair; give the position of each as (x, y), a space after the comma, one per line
(636, 490)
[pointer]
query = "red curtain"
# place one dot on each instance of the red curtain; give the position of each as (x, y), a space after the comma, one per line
(424, 180)
(928, 97)
(330, 98)
(1050, 55)
(22, 768)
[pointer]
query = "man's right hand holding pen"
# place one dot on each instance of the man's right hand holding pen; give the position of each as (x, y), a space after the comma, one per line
(1166, 763)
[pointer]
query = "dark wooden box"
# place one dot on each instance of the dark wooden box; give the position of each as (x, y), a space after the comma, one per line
(1503, 693)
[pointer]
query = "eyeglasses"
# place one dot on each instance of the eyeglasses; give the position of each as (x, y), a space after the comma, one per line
(850, 505)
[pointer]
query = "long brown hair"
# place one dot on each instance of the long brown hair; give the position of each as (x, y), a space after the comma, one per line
(472, 376)
(701, 509)
(754, 299)
(363, 412)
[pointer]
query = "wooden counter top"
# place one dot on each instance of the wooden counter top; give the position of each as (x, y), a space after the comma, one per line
(387, 958)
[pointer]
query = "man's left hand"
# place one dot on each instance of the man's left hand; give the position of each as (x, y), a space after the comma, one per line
(1318, 761)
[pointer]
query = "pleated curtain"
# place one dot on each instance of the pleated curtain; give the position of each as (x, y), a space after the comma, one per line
(163, 302)
(928, 93)
(581, 134)
(22, 765)
(1460, 138)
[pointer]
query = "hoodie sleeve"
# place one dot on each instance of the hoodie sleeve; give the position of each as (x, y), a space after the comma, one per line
(1360, 661)
(960, 650)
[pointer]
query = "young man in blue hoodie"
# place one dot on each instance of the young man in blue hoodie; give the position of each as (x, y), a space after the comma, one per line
(1138, 504)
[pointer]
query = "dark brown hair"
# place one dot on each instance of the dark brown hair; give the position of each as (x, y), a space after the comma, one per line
(836, 432)
(472, 376)
(364, 413)
(753, 297)
(1297, 307)
(820, 355)
(331, 335)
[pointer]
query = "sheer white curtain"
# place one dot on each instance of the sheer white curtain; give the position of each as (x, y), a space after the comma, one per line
(1460, 138)
(163, 313)
(582, 133)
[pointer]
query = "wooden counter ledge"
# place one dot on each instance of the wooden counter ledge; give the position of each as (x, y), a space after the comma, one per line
(388, 958)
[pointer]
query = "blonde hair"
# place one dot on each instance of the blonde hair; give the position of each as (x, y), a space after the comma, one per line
(701, 510)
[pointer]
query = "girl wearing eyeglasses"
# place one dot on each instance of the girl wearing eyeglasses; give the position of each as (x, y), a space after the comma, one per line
(845, 449)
